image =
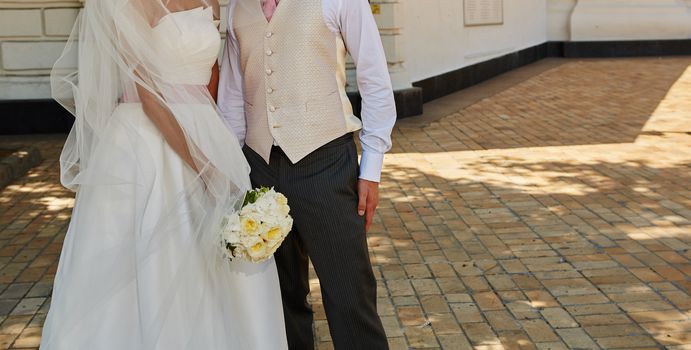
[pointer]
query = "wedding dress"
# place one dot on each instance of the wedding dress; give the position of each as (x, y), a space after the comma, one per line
(141, 266)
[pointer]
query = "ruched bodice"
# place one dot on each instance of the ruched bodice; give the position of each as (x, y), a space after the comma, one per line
(188, 43)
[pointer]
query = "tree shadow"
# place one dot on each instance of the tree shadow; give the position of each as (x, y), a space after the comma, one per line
(618, 227)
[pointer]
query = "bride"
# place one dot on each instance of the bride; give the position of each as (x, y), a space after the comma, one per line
(155, 169)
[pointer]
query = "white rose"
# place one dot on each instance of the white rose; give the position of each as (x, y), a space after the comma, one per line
(248, 241)
(286, 224)
(231, 230)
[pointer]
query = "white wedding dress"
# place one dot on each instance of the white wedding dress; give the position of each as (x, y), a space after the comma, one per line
(131, 274)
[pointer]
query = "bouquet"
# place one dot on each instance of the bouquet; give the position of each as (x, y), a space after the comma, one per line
(255, 233)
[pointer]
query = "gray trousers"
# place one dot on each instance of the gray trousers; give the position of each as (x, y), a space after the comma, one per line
(322, 194)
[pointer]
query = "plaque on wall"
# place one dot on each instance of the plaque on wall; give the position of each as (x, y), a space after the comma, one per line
(483, 12)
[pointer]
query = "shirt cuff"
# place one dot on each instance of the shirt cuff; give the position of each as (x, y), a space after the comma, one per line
(371, 165)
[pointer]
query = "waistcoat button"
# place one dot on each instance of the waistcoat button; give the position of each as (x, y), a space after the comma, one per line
(269, 71)
(269, 34)
(269, 90)
(269, 52)
(272, 108)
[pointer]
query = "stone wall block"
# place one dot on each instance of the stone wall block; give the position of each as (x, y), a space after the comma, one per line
(59, 22)
(20, 23)
(18, 55)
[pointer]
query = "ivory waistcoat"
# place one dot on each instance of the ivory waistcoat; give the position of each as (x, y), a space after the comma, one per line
(294, 78)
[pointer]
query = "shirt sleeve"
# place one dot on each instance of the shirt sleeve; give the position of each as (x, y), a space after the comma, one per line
(361, 36)
(231, 103)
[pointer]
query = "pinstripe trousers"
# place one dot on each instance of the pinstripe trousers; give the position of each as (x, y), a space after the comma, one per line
(322, 194)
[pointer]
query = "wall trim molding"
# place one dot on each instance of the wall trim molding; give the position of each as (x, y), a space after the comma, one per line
(450, 82)
(46, 116)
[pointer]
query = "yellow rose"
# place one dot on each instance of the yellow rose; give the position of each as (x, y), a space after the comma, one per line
(257, 247)
(249, 225)
(257, 251)
(272, 234)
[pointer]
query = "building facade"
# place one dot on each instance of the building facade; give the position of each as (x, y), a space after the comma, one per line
(432, 45)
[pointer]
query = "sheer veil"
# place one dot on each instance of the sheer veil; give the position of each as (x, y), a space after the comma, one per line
(121, 60)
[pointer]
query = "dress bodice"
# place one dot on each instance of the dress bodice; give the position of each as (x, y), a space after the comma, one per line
(188, 44)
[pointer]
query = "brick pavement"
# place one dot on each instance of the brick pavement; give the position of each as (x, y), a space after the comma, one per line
(553, 215)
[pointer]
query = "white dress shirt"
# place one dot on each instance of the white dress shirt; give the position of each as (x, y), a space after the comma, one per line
(353, 20)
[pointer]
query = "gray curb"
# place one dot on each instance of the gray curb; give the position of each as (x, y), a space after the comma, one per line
(18, 163)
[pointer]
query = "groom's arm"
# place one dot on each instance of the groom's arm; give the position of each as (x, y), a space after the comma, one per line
(231, 103)
(361, 36)
(362, 39)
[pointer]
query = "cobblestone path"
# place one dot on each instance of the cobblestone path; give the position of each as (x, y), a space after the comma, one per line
(553, 215)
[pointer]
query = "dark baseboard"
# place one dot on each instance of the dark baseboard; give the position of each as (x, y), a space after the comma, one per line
(33, 117)
(46, 116)
(447, 83)
(19, 117)
(408, 102)
(590, 49)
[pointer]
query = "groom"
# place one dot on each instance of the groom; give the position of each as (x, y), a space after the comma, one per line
(282, 91)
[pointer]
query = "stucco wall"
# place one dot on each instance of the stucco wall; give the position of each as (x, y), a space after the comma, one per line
(437, 41)
(422, 38)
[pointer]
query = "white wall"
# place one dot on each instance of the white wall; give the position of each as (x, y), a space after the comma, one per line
(437, 41)
(559, 19)
(602, 20)
(422, 38)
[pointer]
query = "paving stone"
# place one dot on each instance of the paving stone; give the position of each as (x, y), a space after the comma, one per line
(7, 305)
(551, 346)
(539, 330)
(16, 291)
(576, 338)
(558, 318)
(14, 324)
(514, 340)
(541, 299)
(444, 324)
(30, 338)
(6, 340)
(502, 321)
(480, 334)
(421, 337)
(40, 289)
(467, 312)
(454, 341)
(579, 310)
(626, 342)
(28, 306)
(488, 301)
(655, 316)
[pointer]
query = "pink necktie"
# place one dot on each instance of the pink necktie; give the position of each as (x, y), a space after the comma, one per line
(269, 6)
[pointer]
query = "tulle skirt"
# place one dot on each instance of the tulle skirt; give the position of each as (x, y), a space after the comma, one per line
(136, 273)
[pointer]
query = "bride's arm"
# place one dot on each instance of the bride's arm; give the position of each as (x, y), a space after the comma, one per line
(215, 71)
(213, 83)
(166, 123)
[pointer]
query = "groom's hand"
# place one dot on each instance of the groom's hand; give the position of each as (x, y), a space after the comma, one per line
(368, 191)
